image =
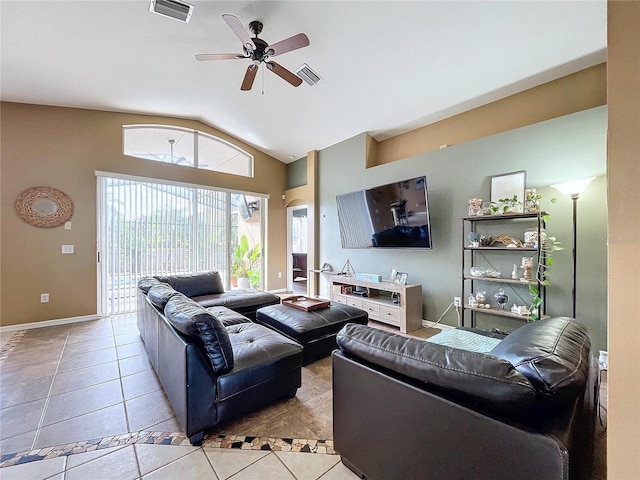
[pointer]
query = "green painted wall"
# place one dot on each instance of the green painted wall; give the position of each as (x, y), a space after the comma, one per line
(297, 173)
(557, 150)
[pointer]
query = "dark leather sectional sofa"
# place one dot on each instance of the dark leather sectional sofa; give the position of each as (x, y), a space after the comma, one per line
(408, 408)
(214, 363)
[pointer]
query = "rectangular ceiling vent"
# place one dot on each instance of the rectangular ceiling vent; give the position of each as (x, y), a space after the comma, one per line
(308, 75)
(171, 8)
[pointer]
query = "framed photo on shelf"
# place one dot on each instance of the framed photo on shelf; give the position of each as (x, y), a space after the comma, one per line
(401, 278)
(507, 185)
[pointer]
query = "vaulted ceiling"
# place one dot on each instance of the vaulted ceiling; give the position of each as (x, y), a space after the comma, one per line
(386, 66)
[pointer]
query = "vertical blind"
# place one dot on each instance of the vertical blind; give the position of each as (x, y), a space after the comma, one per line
(148, 228)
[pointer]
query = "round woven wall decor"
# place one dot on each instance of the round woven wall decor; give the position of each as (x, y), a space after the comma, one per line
(44, 207)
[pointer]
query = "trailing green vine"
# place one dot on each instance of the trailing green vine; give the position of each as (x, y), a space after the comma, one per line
(548, 245)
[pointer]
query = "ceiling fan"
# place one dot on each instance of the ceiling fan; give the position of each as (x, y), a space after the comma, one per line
(259, 51)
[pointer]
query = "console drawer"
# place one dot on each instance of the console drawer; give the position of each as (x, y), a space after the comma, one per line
(390, 315)
(354, 302)
(339, 299)
(373, 309)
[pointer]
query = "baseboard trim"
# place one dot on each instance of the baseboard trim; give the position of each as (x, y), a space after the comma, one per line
(279, 290)
(49, 323)
(428, 323)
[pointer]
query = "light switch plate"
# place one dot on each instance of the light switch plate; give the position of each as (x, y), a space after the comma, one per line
(67, 249)
(67, 226)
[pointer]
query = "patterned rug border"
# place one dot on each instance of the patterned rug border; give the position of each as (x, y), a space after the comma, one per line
(240, 442)
(11, 344)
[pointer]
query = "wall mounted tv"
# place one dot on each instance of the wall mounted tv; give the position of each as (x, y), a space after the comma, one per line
(395, 215)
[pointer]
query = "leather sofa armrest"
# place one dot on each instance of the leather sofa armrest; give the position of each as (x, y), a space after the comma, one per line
(487, 381)
(553, 354)
(195, 322)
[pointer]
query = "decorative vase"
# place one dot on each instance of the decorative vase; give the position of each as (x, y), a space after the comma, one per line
(501, 299)
(244, 283)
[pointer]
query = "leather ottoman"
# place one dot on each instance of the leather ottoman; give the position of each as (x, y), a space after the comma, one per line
(315, 330)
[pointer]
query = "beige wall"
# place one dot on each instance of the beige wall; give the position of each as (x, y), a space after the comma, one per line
(306, 195)
(62, 148)
(572, 93)
(623, 173)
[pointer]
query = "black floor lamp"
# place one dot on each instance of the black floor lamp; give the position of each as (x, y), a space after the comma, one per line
(574, 188)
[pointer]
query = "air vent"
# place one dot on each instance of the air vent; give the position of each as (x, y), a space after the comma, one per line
(173, 9)
(308, 75)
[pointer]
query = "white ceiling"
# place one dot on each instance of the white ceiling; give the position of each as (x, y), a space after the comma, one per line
(387, 66)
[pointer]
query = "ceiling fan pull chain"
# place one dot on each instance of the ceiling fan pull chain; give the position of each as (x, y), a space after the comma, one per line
(262, 80)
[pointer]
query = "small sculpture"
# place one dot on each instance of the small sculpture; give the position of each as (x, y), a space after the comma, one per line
(507, 240)
(527, 265)
(514, 272)
(520, 310)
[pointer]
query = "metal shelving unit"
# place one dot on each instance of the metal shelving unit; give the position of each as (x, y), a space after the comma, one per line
(471, 256)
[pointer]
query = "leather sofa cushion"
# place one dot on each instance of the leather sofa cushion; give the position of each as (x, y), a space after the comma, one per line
(196, 284)
(552, 353)
(145, 283)
(489, 382)
(238, 300)
(227, 316)
(207, 331)
(260, 354)
(160, 294)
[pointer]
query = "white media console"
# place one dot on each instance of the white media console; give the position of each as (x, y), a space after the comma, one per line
(388, 302)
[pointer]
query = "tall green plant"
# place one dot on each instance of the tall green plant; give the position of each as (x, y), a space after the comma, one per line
(245, 261)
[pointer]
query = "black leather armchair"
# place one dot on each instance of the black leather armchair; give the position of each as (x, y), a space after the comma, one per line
(408, 408)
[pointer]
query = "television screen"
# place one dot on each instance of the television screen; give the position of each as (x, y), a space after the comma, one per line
(395, 215)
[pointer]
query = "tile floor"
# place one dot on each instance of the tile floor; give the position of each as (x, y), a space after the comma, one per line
(81, 401)
(80, 387)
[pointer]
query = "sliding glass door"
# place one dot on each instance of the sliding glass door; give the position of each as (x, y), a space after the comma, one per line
(148, 228)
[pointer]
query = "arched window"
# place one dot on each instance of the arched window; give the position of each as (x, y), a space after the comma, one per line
(183, 146)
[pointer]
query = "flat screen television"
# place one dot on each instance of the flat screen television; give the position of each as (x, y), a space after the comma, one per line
(395, 215)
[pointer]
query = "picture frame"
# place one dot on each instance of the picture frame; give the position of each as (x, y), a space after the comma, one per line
(401, 278)
(507, 185)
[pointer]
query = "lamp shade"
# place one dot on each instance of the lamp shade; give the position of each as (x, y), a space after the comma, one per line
(573, 187)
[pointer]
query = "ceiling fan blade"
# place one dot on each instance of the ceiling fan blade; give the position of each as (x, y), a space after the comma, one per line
(292, 43)
(247, 82)
(239, 30)
(283, 73)
(219, 56)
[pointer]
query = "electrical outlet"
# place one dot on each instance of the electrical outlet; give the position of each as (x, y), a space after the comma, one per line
(457, 302)
(279, 274)
(44, 298)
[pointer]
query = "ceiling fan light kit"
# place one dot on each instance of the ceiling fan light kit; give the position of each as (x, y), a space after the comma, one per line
(173, 9)
(259, 51)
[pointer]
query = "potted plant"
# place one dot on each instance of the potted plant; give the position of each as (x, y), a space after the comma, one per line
(243, 265)
(506, 205)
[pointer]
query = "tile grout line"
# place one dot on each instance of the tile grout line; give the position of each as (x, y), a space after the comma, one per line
(46, 402)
